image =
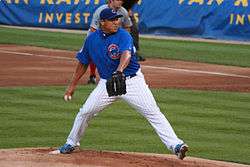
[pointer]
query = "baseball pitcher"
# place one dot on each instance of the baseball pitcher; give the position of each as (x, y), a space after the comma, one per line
(111, 49)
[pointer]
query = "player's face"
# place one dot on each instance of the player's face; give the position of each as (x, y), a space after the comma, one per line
(110, 26)
(116, 4)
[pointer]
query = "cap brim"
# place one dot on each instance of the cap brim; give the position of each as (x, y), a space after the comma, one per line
(115, 17)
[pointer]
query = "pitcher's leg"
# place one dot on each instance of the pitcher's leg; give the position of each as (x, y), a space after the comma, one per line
(140, 97)
(161, 126)
(96, 102)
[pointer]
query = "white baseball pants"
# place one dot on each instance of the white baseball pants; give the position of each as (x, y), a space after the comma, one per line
(139, 97)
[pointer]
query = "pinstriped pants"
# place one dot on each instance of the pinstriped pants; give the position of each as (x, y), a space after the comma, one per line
(139, 97)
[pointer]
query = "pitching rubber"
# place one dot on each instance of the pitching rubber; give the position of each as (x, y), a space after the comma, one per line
(55, 152)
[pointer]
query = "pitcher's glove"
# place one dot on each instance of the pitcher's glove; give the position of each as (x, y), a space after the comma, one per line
(116, 85)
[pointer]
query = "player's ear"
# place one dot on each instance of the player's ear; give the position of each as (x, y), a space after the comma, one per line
(101, 22)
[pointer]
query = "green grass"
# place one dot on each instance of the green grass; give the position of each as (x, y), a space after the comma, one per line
(226, 54)
(214, 53)
(214, 124)
(55, 40)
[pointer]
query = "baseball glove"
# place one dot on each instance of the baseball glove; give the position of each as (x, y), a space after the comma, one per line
(116, 85)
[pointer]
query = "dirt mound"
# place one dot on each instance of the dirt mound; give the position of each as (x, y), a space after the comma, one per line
(40, 157)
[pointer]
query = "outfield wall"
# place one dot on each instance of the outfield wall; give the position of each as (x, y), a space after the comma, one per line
(216, 19)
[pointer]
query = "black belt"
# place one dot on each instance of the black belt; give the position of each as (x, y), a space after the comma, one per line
(130, 76)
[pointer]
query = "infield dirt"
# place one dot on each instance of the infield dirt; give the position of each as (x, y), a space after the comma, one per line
(31, 66)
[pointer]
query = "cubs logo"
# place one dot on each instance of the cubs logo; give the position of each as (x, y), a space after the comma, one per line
(113, 51)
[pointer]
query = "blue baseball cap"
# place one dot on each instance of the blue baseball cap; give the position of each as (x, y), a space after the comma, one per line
(109, 14)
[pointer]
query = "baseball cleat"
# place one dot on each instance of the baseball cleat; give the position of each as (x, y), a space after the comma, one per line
(66, 149)
(140, 58)
(92, 79)
(180, 150)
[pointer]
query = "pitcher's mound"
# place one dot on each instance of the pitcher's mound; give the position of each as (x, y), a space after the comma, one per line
(40, 157)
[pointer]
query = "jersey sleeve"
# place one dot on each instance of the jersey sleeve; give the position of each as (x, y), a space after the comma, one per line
(83, 55)
(126, 42)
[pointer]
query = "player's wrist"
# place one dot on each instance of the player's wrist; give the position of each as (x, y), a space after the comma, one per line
(117, 73)
(119, 69)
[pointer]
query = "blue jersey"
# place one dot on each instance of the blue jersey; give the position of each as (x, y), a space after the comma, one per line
(105, 52)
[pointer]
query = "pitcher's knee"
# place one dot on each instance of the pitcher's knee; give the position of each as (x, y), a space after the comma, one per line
(151, 110)
(84, 112)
